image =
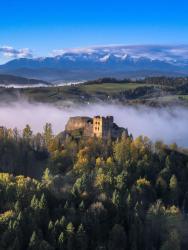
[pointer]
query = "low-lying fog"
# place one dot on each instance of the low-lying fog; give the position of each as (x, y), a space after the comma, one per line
(39, 85)
(167, 124)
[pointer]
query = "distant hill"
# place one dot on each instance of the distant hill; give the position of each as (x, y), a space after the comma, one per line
(99, 62)
(11, 80)
(155, 92)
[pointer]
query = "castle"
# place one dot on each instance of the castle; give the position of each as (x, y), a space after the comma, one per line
(98, 126)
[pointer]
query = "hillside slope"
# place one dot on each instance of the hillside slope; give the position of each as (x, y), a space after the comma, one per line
(11, 80)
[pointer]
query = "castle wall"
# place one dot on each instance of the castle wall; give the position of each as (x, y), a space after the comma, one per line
(88, 130)
(78, 122)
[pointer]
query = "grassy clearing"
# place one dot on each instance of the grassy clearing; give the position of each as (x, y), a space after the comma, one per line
(170, 98)
(111, 87)
(183, 97)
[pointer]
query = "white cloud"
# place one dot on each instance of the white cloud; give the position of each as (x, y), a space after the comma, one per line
(60, 52)
(12, 53)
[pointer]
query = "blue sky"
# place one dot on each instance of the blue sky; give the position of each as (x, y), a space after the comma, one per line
(44, 26)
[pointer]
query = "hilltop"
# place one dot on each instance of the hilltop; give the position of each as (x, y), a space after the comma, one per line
(11, 80)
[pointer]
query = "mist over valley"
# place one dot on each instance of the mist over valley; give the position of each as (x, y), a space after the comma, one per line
(167, 124)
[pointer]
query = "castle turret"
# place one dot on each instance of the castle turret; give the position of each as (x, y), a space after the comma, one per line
(97, 126)
(102, 126)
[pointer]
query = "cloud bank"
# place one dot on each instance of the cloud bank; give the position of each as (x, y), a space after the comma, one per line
(169, 125)
(12, 53)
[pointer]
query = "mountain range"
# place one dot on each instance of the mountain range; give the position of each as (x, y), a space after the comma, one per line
(105, 61)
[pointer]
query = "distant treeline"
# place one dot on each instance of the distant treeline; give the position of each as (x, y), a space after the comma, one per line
(166, 81)
(110, 80)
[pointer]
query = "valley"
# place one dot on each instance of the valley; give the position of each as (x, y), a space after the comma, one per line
(151, 92)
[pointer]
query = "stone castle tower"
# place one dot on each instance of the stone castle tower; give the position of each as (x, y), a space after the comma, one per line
(102, 126)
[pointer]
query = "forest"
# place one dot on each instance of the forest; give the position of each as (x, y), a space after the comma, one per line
(65, 192)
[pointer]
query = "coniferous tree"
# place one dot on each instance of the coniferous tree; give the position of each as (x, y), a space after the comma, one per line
(70, 236)
(61, 241)
(34, 242)
(81, 238)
